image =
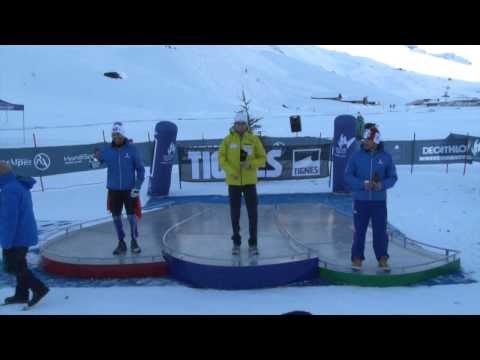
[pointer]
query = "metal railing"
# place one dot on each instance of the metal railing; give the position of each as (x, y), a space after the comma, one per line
(300, 250)
(445, 255)
(296, 256)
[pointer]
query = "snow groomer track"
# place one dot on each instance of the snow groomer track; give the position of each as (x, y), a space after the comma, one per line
(301, 237)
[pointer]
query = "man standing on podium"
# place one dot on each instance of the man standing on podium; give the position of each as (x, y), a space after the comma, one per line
(370, 172)
(241, 153)
(125, 176)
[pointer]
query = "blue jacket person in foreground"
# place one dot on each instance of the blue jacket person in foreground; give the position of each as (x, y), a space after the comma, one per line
(125, 176)
(18, 231)
(370, 172)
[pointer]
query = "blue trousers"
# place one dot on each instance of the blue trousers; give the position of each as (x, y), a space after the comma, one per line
(363, 211)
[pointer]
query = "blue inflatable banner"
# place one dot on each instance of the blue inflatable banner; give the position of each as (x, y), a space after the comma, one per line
(163, 158)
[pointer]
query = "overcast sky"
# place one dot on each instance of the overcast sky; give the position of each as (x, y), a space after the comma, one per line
(401, 56)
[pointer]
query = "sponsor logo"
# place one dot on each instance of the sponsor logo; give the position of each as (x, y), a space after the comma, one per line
(306, 162)
(205, 166)
(476, 147)
(445, 153)
(171, 149)
(77, 159)
(168, 158)
(16, 162)
(446, 158)
(41, 162)
(342, 146)
(444, 150)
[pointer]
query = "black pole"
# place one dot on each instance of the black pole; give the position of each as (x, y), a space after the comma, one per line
(266, 162)
(413, 153)
(331, 165)
(210, 160)
(179, 167)
(201, 155)
(35, 146)
(103, 133)
(23, 125)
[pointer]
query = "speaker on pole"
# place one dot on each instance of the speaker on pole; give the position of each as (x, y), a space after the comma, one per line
(295, 123)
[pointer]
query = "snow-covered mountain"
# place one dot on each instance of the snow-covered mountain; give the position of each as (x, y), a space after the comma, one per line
(65, 85)
(447, 56)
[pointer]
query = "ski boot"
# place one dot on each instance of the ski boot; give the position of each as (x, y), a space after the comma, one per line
(236, 250)
(134, 247)
(38, 295)
(121, 248)
(15, 300)
(357, 264)
(253, 250)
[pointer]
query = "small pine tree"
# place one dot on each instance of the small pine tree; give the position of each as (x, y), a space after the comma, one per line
(253, 122)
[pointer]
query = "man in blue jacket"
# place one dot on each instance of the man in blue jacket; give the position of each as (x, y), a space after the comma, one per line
(18, 231)
(370, 172)
(125, 176)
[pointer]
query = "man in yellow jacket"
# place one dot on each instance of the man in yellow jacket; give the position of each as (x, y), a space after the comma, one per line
(240, 155)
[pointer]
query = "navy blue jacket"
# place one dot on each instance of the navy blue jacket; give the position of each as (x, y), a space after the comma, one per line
(17, 220)
(363, 165)
(122, 163)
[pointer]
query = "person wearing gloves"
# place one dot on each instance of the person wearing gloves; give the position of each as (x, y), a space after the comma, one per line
(241, 153)
(125, 176)
(370, 172)
(18, 231)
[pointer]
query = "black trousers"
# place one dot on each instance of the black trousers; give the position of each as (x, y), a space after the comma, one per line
(235, 194)
(119, 199)
(16, 263)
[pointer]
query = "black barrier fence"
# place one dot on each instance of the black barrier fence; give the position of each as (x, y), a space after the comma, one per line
(447, 151)
(201, 164)
(46, 161)
(55, 160)
(473, 144)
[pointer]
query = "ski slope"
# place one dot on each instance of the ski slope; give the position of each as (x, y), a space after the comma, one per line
(63, 87)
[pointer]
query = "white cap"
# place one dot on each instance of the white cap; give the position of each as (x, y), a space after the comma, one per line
(241, 116)
(118, 129)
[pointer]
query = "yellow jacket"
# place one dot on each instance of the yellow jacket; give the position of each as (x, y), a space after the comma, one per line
(229, 158)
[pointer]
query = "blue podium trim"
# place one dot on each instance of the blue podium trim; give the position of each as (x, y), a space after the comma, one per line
(241, 277)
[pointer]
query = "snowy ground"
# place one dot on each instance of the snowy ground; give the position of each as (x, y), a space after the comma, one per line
(462, 299)
(442, 210)
(399, 125)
